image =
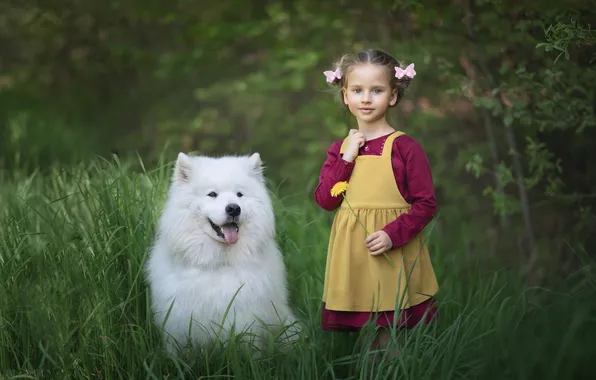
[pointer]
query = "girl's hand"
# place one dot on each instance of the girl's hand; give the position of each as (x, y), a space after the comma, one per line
(378, 243)
(355, 141)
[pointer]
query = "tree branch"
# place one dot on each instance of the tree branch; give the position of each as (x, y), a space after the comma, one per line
(488, 125)
(510, 138)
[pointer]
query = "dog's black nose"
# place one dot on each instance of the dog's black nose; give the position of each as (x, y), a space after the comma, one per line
(233, 209)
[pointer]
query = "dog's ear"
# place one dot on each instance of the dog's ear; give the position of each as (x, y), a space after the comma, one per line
(183, 168)
(256, 165)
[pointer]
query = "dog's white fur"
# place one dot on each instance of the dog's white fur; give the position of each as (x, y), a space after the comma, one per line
(193, 271)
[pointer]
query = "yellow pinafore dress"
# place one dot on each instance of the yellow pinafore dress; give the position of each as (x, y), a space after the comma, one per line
(357, 281)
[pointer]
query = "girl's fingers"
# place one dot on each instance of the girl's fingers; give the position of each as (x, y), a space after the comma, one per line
(370, 238)
(371, 243)
(376, 248)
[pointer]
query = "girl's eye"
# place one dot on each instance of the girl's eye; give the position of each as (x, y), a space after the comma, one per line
(239, 194)
(212, 194)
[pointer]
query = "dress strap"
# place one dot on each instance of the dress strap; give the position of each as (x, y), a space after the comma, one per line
(389, 143)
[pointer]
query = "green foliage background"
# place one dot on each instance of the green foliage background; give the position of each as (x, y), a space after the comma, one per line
(503, 102)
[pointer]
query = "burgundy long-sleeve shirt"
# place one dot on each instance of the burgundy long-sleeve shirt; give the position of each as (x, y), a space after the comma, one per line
(412, 177)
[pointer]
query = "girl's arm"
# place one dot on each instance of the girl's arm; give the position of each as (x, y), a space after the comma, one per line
(335, 169)
(421, 195)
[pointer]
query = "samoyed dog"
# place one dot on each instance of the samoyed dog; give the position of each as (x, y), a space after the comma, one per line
(214, 269)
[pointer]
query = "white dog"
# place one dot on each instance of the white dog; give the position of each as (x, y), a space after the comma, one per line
(215, 247)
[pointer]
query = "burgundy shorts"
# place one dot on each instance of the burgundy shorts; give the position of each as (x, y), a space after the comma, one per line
(349, 321)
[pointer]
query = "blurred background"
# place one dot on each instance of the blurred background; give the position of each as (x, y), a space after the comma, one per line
(503, 102)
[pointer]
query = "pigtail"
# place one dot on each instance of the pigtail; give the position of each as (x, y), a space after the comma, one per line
(403, 75)
(402, 78)
(340, 67)
(333, 77)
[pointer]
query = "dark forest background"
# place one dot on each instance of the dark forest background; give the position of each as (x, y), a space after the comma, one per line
(503, 103)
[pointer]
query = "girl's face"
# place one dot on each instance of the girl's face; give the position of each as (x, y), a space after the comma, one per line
(368, 92)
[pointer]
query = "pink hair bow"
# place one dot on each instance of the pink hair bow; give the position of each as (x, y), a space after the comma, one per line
(408, 71)
(332, 75)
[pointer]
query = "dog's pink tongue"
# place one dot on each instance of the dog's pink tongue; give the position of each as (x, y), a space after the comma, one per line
(230, 233)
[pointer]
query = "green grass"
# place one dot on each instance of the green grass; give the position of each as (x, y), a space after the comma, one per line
(74, 304)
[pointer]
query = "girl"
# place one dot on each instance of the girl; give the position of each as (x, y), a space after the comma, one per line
(390, 189)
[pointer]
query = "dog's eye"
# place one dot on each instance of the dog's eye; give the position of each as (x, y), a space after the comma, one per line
(212, 194)
(239, 194)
